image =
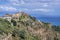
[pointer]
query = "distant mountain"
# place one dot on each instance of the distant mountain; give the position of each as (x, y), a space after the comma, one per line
(22, 26)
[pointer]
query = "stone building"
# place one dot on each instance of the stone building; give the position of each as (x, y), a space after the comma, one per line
(16, 16)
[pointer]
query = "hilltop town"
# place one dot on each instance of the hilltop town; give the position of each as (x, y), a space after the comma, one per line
(12, 16)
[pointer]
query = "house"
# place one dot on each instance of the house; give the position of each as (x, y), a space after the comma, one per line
(7, 16)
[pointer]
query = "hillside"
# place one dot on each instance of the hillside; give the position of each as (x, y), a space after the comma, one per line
(24, 27)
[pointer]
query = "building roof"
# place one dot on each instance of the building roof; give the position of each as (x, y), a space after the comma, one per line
(7, 15)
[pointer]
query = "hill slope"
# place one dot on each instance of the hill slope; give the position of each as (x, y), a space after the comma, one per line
(25, 27)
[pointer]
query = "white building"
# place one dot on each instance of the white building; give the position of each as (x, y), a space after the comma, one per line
(8, 18)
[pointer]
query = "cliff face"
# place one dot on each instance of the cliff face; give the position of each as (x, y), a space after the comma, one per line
(25, 27)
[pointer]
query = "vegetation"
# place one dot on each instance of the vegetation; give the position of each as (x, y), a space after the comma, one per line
(56, 28)
(30, 29)
(5, 26)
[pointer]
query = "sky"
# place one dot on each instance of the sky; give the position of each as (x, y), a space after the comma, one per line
(46, 10)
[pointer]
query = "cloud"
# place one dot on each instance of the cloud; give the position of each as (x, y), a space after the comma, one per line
(7, 8)
(31, 3)
(37, 10)
(16, 2)
(36, 5)
(50, 7)
(23, 9)
(22, 2)
(43, 10)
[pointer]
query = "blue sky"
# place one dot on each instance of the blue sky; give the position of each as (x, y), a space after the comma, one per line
(37, 8)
